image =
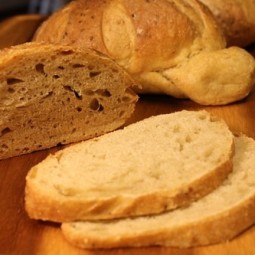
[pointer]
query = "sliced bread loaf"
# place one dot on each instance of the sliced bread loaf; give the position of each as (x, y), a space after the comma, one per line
(217, 217)
(149, 167)
(51, 94)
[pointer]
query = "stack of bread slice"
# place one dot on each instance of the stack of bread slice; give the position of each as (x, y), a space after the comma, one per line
(180, 179)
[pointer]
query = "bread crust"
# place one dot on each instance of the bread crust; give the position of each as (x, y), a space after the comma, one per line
(146, 38)
(236, 18)
(218, 229)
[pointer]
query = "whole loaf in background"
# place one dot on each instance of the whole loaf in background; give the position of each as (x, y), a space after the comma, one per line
(156, 41)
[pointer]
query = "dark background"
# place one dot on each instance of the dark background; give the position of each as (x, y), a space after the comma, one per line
(14, 7)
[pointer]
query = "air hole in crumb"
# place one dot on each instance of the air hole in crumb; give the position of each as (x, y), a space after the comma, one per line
(55, 76)
(23, 89)
(76, 92)
(188, 139)
(202, 117)
(77, 65)
(115, 70)
(5, 147)
(61, 68)
(40, 68)
(39, 146)
(79, 109)
(89, 92)
(176, 129)
(121, 114)
(11, 81)
(95, 105)
(67, 52)
(94, 74)
(103, 92)
(180, 147)
(74, 130)
(5, 131)
(91, 67)
(50, 93)
(25, 149)
(11, 90)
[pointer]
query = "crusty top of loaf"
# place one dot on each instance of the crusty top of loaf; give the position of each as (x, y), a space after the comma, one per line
(134, 33)
(145, 37)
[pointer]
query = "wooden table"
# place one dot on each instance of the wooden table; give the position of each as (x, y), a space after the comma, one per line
(21, 236)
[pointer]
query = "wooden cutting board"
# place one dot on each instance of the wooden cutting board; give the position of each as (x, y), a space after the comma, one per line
(21, 236)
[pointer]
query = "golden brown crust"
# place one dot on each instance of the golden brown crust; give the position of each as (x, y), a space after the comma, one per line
(145, 37)
(220, 228)
(236, 18)
(77, 24)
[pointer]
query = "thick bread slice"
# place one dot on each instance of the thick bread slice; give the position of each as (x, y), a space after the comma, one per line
(152, 166)
(218, 217)
(51, 94)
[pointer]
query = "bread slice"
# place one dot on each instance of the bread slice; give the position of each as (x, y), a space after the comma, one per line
(51, 94)
(149, 167)
(217, 217)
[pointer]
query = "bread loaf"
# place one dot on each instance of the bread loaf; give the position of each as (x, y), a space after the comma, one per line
(150, 39)
(51, 94)
(218, 217)
(236, 18)
(151, 166)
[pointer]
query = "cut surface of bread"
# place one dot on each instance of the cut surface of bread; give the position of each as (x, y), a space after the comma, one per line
(217, 217)
(151, 166)
(51, 94)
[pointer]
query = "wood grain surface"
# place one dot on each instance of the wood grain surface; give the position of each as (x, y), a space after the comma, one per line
(19, 235)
